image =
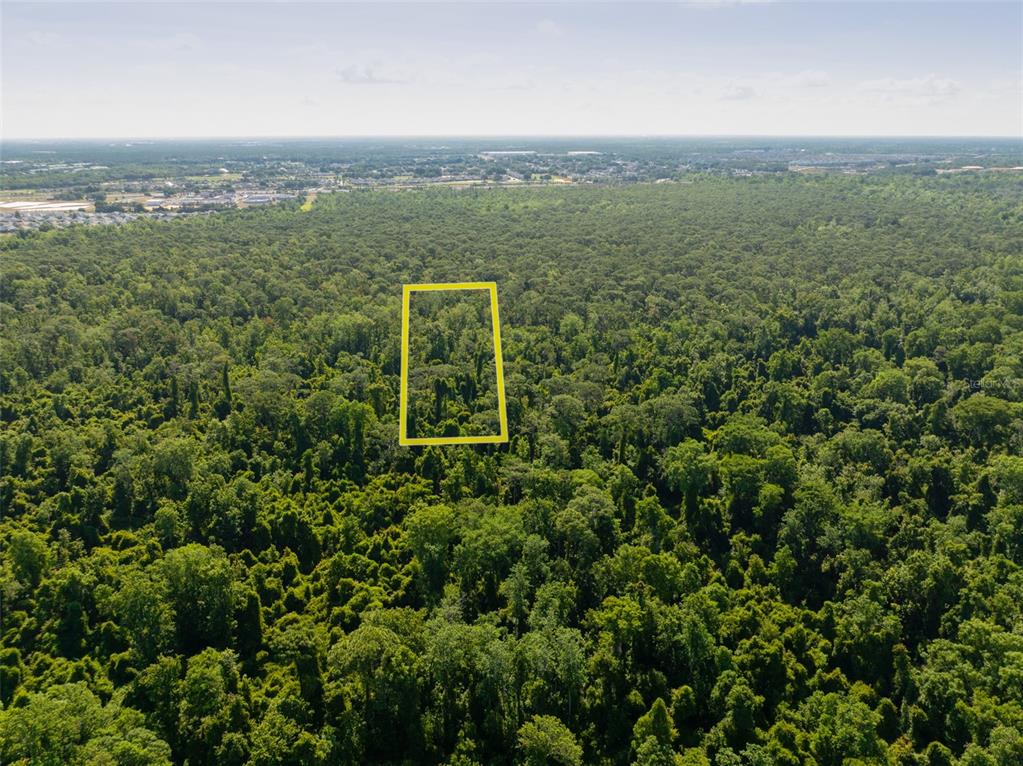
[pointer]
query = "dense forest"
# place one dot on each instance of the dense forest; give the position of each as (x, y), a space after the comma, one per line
(762, 501)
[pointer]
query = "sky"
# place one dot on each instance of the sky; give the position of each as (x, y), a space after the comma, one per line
(188, 69)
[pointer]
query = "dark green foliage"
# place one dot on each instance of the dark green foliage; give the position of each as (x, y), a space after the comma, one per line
(762, 502)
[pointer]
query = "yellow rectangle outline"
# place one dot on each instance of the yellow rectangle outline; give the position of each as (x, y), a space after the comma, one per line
(406, 294)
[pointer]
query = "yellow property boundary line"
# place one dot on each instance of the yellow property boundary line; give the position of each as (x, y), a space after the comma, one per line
(406, 294)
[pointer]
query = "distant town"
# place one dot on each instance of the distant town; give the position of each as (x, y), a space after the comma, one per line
(56, 184)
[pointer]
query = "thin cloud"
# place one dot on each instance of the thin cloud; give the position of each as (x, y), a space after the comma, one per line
(1003, 89)
(182, 41)
(813, 79)
(45, 39)
(737, 93)
(353, 74)
(913, 91)
(548, 28)
(711, 4)
(521, 85)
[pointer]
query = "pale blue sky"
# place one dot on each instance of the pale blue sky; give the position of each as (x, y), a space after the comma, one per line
(290, 69)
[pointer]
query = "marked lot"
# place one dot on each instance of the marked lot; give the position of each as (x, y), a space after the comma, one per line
(452, 378)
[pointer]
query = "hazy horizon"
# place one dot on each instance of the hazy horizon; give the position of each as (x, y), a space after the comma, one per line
(515, 137)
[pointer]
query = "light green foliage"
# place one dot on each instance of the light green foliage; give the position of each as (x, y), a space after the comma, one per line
(544, 741)
(28, 556)
(68, 724)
